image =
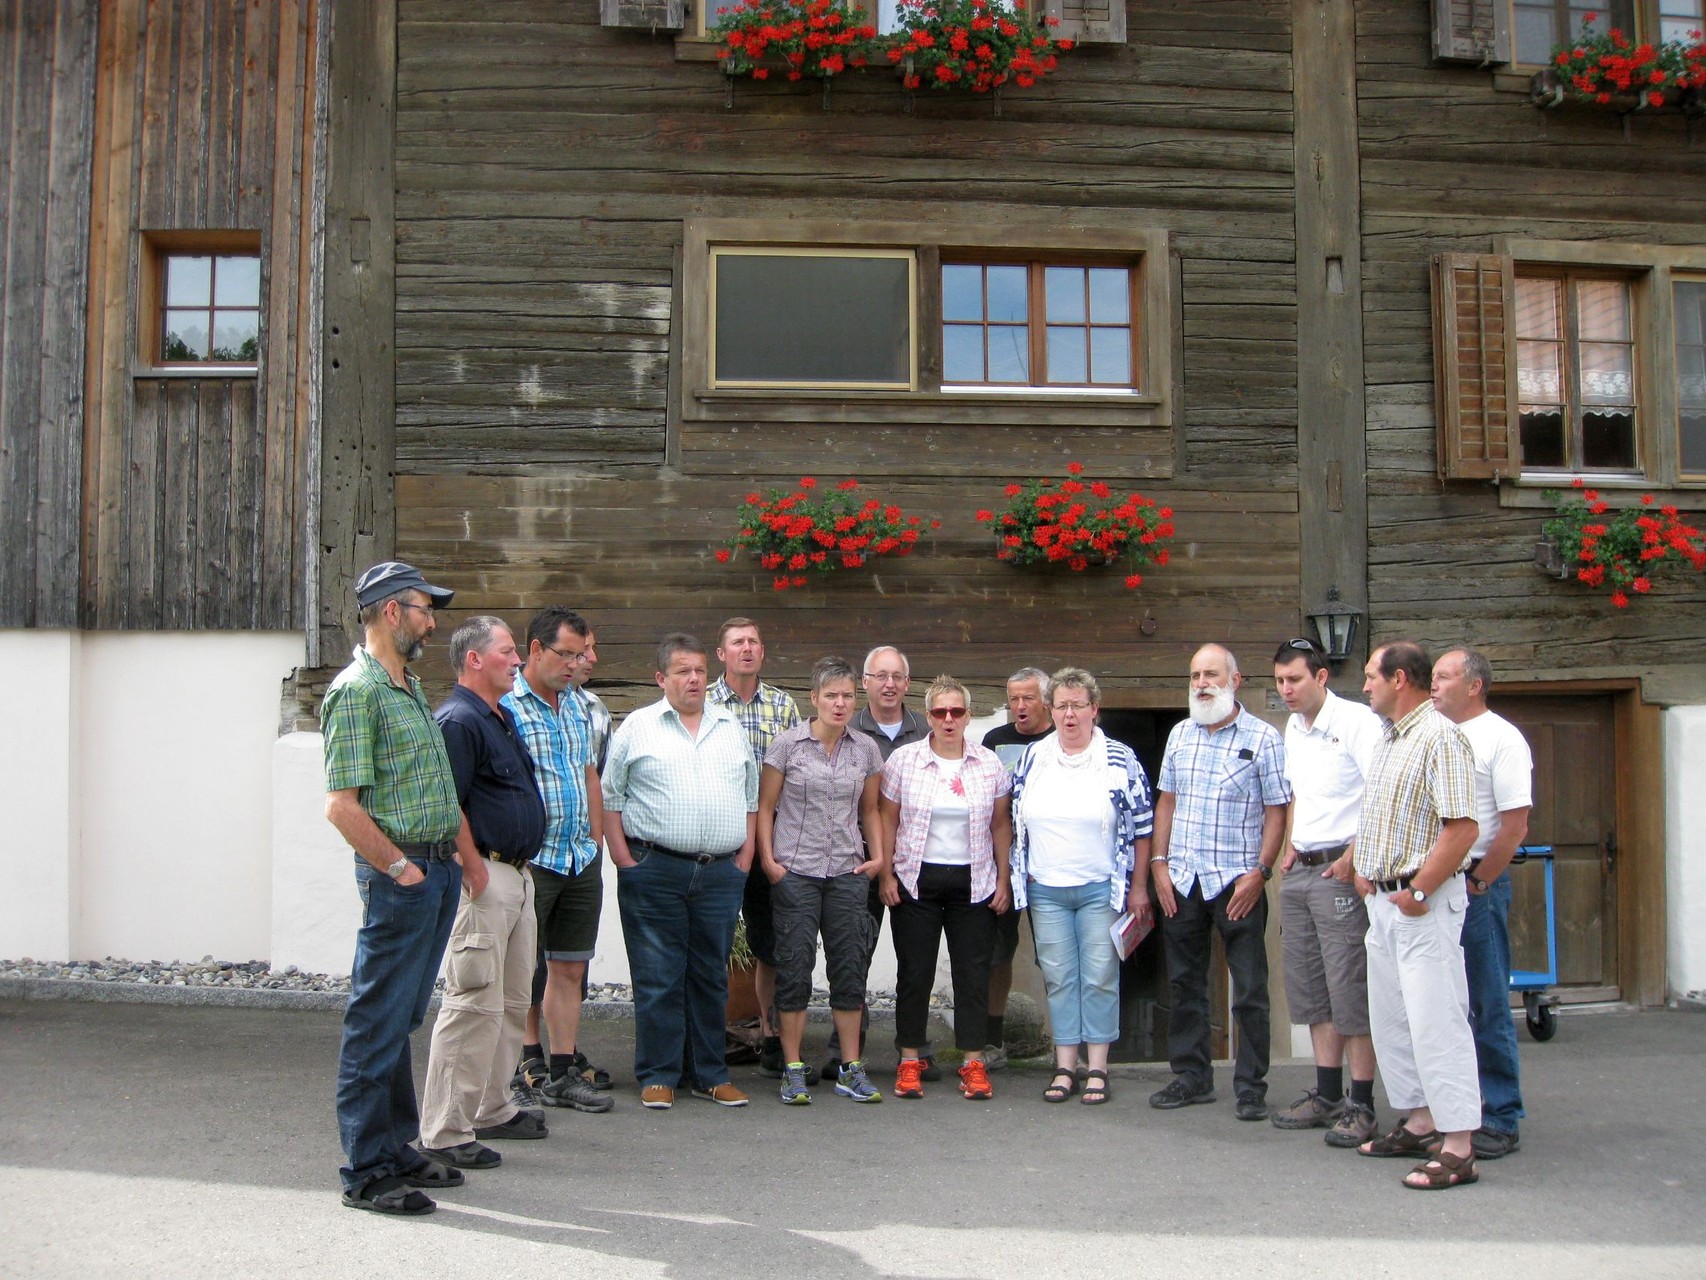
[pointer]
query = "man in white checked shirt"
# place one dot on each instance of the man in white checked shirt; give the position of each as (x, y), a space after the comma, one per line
(681, 804)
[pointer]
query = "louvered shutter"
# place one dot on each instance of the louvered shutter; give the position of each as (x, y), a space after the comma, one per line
(1474, 368)
(1475, 31)
(1087, 21)
(643, 15)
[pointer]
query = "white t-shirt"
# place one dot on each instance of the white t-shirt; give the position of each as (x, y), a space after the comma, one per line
(949, 841)
(1504, 773)
(1069, 824)
(1326, 765)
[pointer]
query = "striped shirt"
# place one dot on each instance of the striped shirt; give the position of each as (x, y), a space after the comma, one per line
(1128, 794)
(599, 725)
(559, 742)
(1222, 780)
(381, 738)
(1423, 773)
(769, 712)
(911, 778)
(685, 793)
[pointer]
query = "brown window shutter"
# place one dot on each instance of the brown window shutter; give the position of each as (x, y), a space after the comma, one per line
(1474, 369)
(644, 15)
(1475, 31)
(1087, 21)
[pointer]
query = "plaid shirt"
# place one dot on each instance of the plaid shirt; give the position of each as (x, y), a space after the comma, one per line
(1223, 780)
(685, 793)
(769, 712)
(382, 739)
(559, 742)
(911, 778)
(1423, 773)
(599, 725)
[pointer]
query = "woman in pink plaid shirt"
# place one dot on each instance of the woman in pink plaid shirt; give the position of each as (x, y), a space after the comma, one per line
(946, 819)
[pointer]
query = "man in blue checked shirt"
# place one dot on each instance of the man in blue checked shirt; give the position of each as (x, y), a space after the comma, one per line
(1220, 809)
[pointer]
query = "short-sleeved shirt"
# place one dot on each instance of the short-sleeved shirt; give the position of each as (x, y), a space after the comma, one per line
(494, 776)
(1504, 773)
(380, 738)
(599, 725)
(1222, 780)
(1326, 765)
(910, 779)
(1423, 773)
(816, 832)
(559, 741)
(1009, 744)
(686, 792)
(769, 712)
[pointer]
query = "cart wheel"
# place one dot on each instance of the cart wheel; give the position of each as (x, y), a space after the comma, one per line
(1542, 1022)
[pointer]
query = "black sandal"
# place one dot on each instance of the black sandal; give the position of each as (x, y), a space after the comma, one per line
(1095, 1094)
(1057, 1092)
(389, 1195)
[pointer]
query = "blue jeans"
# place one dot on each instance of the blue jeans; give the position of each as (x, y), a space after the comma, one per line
(1487, 965)
(678, 922)
(1081, 969)
(397, 953)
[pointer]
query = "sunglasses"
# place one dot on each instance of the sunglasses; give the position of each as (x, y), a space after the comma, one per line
(949, 713)
(1302, 646)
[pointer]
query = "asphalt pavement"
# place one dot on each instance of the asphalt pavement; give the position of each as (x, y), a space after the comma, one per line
(142, 1140)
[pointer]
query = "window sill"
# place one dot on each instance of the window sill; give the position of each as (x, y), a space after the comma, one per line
(1618, 491)
(205, 372)
(980, 406)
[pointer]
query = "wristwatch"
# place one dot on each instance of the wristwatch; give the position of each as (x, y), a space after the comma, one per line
(1419, 895)
(1480, 884)
(1266, 870)
(396, 869)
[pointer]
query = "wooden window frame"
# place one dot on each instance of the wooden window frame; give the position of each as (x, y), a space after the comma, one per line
(1516, 77)
(157, 247)
(1682, 277)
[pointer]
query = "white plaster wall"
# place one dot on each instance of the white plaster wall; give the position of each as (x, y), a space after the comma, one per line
(1685, 850)
(38, 794)
(174, 791)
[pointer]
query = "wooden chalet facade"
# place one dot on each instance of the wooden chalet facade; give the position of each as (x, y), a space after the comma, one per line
(489, 334)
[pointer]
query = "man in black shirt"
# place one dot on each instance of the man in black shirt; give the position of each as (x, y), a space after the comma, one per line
(1027, 701)
(489, 977)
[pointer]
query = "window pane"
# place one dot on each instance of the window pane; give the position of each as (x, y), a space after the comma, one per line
(1542, 438)
(962, 293)
(1690, 298)
(1536, 29)
(1538, 372)
(236, 335)
(1603, 310)
(798, 318)
(1538, 310)
(1009, 354)
(1110, 295)
(1065, 289)
(1066, 355)
(1009, 297)
(186, 336)
(962, 353)
(189, 281)
(1608, 440)
(1606, 374)
(1110, 356)
(237, 282)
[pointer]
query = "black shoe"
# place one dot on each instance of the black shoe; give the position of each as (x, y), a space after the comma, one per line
(430, 1173)
(597, 1077)
(522, 1124)
(931, 1070)
(830, 1070)
(770, 1058)
(571, 1089)
(1181, 1093)
(464, 1155)
(1491, 1144)
(389, 1195)
(1251, 1106)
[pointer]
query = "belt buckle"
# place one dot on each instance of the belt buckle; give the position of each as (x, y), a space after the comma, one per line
(704, 859)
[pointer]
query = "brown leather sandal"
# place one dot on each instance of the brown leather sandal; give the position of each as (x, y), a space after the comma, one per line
(1403, 1142)
(1443, 1172)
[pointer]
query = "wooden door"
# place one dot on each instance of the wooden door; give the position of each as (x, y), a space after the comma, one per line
(1575, 811)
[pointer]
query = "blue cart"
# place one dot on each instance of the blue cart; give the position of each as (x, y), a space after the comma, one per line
(1537, 1001)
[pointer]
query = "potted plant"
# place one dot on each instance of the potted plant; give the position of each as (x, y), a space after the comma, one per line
(977, 45)
(1607, 68)
(1076, 524)
(797, 38)
(1618, 550)
(808, 530)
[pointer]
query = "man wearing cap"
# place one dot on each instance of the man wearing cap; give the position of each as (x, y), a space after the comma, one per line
(490, 974)
(391, 794)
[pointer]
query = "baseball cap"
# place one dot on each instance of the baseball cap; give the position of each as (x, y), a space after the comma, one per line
(392, 576)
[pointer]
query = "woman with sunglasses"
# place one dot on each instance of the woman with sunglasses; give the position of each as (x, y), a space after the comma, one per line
(947, 830)
(1082, 820)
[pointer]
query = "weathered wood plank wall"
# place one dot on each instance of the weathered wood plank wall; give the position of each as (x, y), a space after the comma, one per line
(544, 167)
(46, 110)
(193, 482)
(1449, 162)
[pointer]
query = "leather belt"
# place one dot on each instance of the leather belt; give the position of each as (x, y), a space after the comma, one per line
(495, 856)
(1404, 882)
(432, 851)
(703, 859)
(1320, 857)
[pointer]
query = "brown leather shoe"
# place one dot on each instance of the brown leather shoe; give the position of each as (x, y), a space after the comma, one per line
(724, 1095)
(659, 1097)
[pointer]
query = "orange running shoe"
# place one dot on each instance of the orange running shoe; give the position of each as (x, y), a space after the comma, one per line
(974, 1080)
(909, 1078)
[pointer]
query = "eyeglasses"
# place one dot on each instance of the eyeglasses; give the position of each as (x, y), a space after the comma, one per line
(888, 677)
(949, 713)
(424, 608)
(1072, 706)
(573, 659)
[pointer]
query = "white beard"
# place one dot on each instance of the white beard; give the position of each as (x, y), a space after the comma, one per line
(1212, 710)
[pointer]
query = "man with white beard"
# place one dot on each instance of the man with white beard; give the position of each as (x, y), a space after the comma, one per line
(1220, 810)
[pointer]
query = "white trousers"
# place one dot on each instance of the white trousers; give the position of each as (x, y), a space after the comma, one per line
(1418, 1008)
